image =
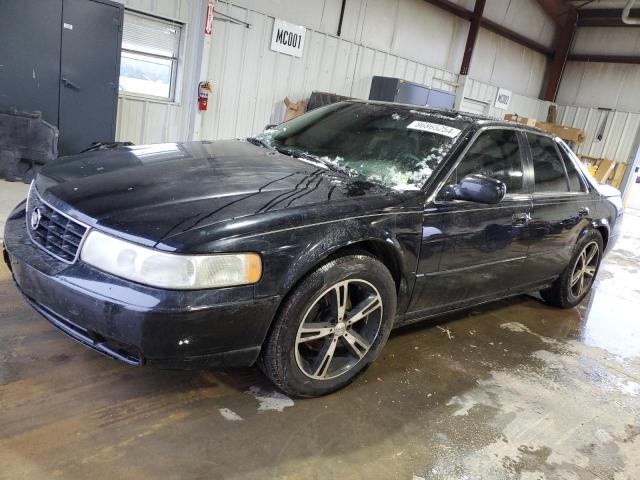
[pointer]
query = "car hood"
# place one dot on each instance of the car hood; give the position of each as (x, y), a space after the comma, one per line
(151, 193)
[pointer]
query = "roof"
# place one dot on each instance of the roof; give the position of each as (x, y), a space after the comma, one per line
(469, 118)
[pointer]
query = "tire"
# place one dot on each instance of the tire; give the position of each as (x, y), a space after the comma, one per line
(568, 291)
(307, 331)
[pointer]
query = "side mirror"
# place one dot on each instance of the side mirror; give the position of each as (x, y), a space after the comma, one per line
(270, 126)
(477, 188)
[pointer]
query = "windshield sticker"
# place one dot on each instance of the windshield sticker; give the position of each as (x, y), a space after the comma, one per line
(436, 128)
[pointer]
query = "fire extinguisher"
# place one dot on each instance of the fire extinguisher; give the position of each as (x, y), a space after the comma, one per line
(203, 95)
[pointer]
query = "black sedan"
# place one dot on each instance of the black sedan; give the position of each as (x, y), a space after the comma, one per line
(301, 248)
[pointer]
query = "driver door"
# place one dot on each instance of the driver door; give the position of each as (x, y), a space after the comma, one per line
(473, 252)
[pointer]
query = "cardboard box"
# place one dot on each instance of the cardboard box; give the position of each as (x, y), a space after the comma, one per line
(605, 168)
(294, 109)
(566, 133)
(618, 175)
(518, 119)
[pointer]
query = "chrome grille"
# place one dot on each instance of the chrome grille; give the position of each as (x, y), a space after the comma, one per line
(54, 232)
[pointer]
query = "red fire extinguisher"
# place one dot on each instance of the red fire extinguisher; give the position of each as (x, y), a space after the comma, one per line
(203, 95)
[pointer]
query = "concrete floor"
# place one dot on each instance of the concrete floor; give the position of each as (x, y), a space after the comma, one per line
(513, 390)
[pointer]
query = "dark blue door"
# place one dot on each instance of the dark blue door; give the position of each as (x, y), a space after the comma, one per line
(562, 207)
(472, 251)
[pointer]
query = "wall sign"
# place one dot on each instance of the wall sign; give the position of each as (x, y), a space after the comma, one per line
(503, 98)
(287, 38)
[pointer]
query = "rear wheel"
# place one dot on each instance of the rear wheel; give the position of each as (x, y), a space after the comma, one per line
(331, 327)
(577, 279)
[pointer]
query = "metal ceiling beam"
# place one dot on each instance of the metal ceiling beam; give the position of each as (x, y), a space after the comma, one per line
(491, 26)
(576, 57)
(559, 11)
(604, 17)
(452, 8)
(515, 37)
(565, 16)
(474, 27)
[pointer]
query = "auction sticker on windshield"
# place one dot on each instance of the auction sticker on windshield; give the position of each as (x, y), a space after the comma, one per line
(434, 128)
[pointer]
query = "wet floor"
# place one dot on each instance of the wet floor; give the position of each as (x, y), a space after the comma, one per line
(512, 390)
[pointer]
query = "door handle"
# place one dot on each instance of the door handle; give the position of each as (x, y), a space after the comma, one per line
(583, 212)
(68, 83)
(521, 219)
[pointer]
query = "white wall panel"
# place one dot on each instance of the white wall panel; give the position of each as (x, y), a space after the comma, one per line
(619, 131)
(523, 16)
(379, 23)
(150, 121)
(479, 97)
(319, 15)
(410, 39)
(607, 85)
(250, 81)
(499, 61)
(604, 40)
(429, 35)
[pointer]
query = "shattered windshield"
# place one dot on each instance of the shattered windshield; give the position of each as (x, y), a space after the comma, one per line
(397, 147)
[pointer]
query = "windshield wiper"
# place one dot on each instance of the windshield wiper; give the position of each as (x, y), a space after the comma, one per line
(293, 152)
(260, 143)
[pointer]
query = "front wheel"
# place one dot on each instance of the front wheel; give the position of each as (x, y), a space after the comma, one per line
(331, 327)
(577, 279)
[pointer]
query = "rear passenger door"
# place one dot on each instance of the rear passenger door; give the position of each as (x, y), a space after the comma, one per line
(561, 207)
(472, 251)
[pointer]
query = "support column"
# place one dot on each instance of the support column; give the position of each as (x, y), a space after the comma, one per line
(474, 27)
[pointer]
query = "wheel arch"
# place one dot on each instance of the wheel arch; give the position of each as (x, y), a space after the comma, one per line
(387, 252)
(374, 236)
(603, 227)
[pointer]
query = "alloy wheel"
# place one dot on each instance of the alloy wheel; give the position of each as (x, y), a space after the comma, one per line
(584, 270)
(338, 329)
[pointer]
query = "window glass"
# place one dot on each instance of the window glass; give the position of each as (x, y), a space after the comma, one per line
(495, 154)
(149, 58)
(548, 168)
(395, 146)
(575, 183)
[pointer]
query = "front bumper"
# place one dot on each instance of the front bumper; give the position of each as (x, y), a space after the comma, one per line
(134, 323)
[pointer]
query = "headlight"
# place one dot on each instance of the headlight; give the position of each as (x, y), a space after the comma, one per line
(169, 270)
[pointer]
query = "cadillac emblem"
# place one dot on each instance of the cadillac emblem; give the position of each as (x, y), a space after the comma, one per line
(36, 215)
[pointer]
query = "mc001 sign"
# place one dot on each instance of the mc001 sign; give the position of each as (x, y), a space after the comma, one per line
(287, 38)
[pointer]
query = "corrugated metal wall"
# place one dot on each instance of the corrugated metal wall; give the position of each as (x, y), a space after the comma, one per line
(409, 39)
(143, 120)
(411, 29)
(479, 97)
(523, 16)
(618, 131)
(498, 61)
(608, 85)
(587, 86)
(250, 81)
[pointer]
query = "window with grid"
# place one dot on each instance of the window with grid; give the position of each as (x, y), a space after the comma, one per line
(149, 61)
